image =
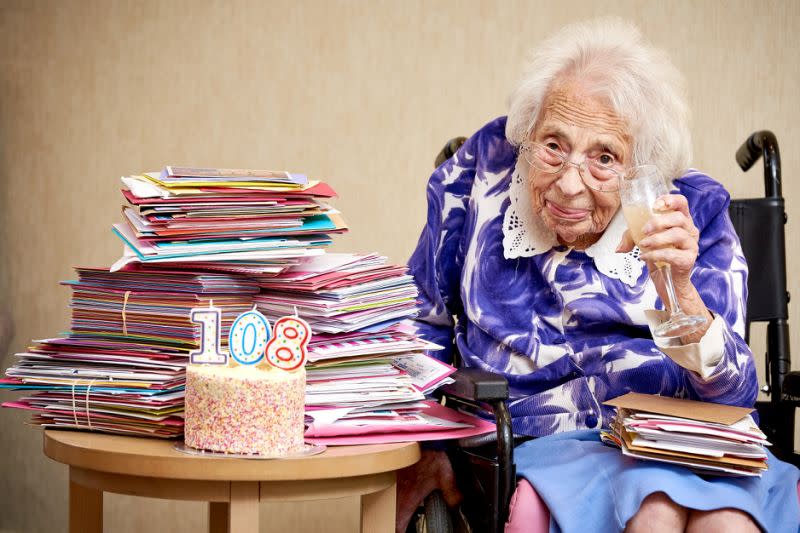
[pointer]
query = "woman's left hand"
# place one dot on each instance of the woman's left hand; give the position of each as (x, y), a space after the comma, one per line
(669, 237)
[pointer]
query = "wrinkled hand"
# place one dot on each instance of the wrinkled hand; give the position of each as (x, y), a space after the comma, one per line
(670, 237)
(414, 483)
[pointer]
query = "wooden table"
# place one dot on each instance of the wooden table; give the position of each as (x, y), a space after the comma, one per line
(152, 468)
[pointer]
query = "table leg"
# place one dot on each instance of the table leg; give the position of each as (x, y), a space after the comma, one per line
(218, 517)
(378, 511)
(85, 509)
(243, 513)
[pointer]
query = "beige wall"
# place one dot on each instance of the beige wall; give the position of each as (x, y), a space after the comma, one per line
(359, 93)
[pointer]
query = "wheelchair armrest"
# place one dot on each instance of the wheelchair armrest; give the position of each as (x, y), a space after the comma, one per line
(476, 385)
(482, 389)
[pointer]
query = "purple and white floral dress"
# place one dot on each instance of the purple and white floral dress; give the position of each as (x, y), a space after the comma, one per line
(569, 328)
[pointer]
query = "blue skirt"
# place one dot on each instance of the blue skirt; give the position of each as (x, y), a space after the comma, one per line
(589, 486)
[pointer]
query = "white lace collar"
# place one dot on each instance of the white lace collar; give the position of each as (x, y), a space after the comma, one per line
(526, 235)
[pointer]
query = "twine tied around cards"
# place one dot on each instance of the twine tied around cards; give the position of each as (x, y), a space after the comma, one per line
(124, 318)
(86, 401)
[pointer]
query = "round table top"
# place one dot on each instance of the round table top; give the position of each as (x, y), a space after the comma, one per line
(148, 457)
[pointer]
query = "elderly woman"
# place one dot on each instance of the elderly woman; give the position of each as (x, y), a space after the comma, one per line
(526, 268)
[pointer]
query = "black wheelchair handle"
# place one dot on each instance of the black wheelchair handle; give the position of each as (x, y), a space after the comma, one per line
(763, 143)
(449, 150)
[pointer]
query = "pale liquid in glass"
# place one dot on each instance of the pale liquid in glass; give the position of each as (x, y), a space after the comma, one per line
(637, 216)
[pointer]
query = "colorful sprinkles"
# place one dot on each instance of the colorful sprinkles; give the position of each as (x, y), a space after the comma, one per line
(245, 409)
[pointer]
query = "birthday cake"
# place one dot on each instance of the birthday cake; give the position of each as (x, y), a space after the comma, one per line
(253, 400)
(245, 409)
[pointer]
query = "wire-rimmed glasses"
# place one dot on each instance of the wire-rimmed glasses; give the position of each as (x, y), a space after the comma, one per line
(594, 174)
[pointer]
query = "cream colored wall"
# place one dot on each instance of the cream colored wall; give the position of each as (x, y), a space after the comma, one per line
(361, 94)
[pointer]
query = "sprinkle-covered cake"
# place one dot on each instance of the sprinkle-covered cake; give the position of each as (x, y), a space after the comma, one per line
(245, 409)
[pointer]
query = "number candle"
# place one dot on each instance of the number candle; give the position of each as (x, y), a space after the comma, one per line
(210, 320)
(287, 349)
(248, 338)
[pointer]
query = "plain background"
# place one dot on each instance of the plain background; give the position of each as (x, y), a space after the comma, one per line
(361, 94)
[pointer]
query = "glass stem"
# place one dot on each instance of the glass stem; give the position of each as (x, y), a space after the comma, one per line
(674, 307)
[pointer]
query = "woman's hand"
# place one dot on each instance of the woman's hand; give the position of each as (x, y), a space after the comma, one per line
(671, 237)
(414, 483)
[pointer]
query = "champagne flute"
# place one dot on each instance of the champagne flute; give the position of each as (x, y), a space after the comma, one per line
(639, 188)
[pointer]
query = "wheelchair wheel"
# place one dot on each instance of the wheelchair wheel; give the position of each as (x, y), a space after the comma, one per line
(436, 518)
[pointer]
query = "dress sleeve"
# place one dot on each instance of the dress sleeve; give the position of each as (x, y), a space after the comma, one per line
(721, 367)
(437, 261)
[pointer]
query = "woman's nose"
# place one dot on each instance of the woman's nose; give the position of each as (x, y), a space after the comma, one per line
(571, 183)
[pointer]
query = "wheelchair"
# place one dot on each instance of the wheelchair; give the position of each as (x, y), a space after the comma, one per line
(484, 466)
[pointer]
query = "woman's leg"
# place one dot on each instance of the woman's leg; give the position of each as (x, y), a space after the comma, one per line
(721, 521)
(658, 513)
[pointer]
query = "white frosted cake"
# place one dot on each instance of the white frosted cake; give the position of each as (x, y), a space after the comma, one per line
(245, 409)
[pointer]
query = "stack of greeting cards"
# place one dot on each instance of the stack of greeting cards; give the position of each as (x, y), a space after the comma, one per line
(709, 438)
(368, 371)
(121, 368)
(229, 245)
(249, 221)
(192, 236)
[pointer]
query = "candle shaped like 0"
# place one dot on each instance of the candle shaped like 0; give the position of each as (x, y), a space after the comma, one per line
(210, 320)
(248, 338)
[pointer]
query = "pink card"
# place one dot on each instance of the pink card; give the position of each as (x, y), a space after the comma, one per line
(478, 426)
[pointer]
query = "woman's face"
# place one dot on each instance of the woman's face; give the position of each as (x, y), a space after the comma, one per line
(580, 126)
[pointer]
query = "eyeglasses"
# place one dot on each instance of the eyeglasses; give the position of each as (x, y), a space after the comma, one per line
(595, 175)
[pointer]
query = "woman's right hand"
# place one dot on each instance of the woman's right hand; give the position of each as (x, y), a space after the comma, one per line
(415, 482)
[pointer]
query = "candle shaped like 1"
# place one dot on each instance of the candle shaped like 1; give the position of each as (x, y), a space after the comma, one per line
(210, 320)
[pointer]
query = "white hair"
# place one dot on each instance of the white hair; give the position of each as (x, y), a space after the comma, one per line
(610, 58)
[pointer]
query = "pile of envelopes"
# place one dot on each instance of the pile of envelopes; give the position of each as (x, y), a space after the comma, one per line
(367, 370)
(122, 367)
(192, 237)
(253, 220)
(237, 238)
(101, 385)
(154, 305)
(341, 293)
(706, 437)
